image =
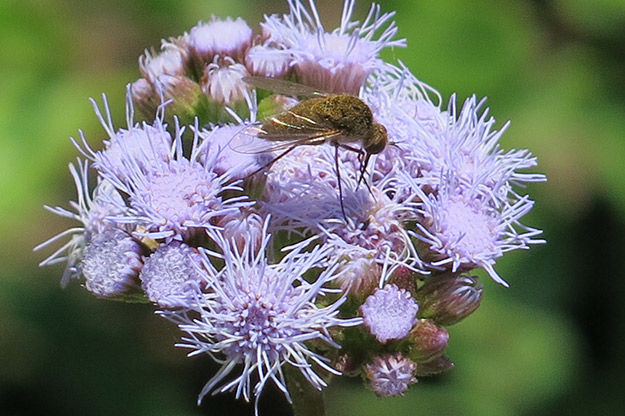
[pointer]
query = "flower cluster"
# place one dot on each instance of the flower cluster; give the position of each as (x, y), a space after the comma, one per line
(292, 200)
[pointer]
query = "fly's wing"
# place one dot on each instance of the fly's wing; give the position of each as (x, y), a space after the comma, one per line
(283, 87)
(283, 130)
(254, 139)
(247, 141)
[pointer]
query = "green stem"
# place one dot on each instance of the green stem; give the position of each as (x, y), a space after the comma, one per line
(307, 400)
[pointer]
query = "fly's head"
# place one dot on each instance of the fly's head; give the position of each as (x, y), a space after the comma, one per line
(378, 140)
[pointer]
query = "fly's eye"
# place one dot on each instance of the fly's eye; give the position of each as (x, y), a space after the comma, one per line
(378, 141)
(375, 148)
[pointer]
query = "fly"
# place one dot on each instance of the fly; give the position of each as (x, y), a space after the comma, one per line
(342, 120)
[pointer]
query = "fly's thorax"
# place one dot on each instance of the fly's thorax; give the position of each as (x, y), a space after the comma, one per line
(347, 113)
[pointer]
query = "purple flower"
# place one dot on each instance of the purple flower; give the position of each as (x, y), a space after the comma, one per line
(429, 142)
(175, 201)
(302, 196)
(222, 81)
(463, 230)
(389, 313)
(261, 316)
(170, 61)
(111, 264)
(139, 147)
(339, 61)
(410, 110)
(224, 37)
(171, 199)
(170, 275)
(469, 148)
(391, 375)
(449, 167)
(91, 211)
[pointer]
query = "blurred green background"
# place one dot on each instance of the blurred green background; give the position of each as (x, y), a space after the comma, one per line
(551, 344)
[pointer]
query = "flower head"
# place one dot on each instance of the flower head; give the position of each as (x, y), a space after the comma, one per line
(146, 146)
(391, 375)
(91, 211)
(175, 201)
(142, 147)
(217, 150)
(339, 61)
(390, 313)
(261, 316)
(462, 230)
(223, 37)
(171, 60)
(469, 147)
(168, 197)
(269, 62)
(302, 195)
(431, 141)
(170, 275)
(111, 264)
(222, 81)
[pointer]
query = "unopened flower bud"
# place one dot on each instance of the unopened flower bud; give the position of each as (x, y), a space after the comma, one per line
(184, 96)
(223, 86)
(391, 375)
(267, 62)
(404, 278)
(243, 228)
(438, 365)
(427, 341)
(223, 37)
(170, 60)
(111, 265)
(187, 99)
(390, 313)
(448, 299)
(170, 275)
(145, 97)
(361, 276)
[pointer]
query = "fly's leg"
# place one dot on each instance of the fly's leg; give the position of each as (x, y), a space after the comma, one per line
(338, 177)
(363, 158)
(364, 161)
(274, 160)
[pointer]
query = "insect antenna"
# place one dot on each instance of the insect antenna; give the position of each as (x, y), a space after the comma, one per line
(395, 144)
